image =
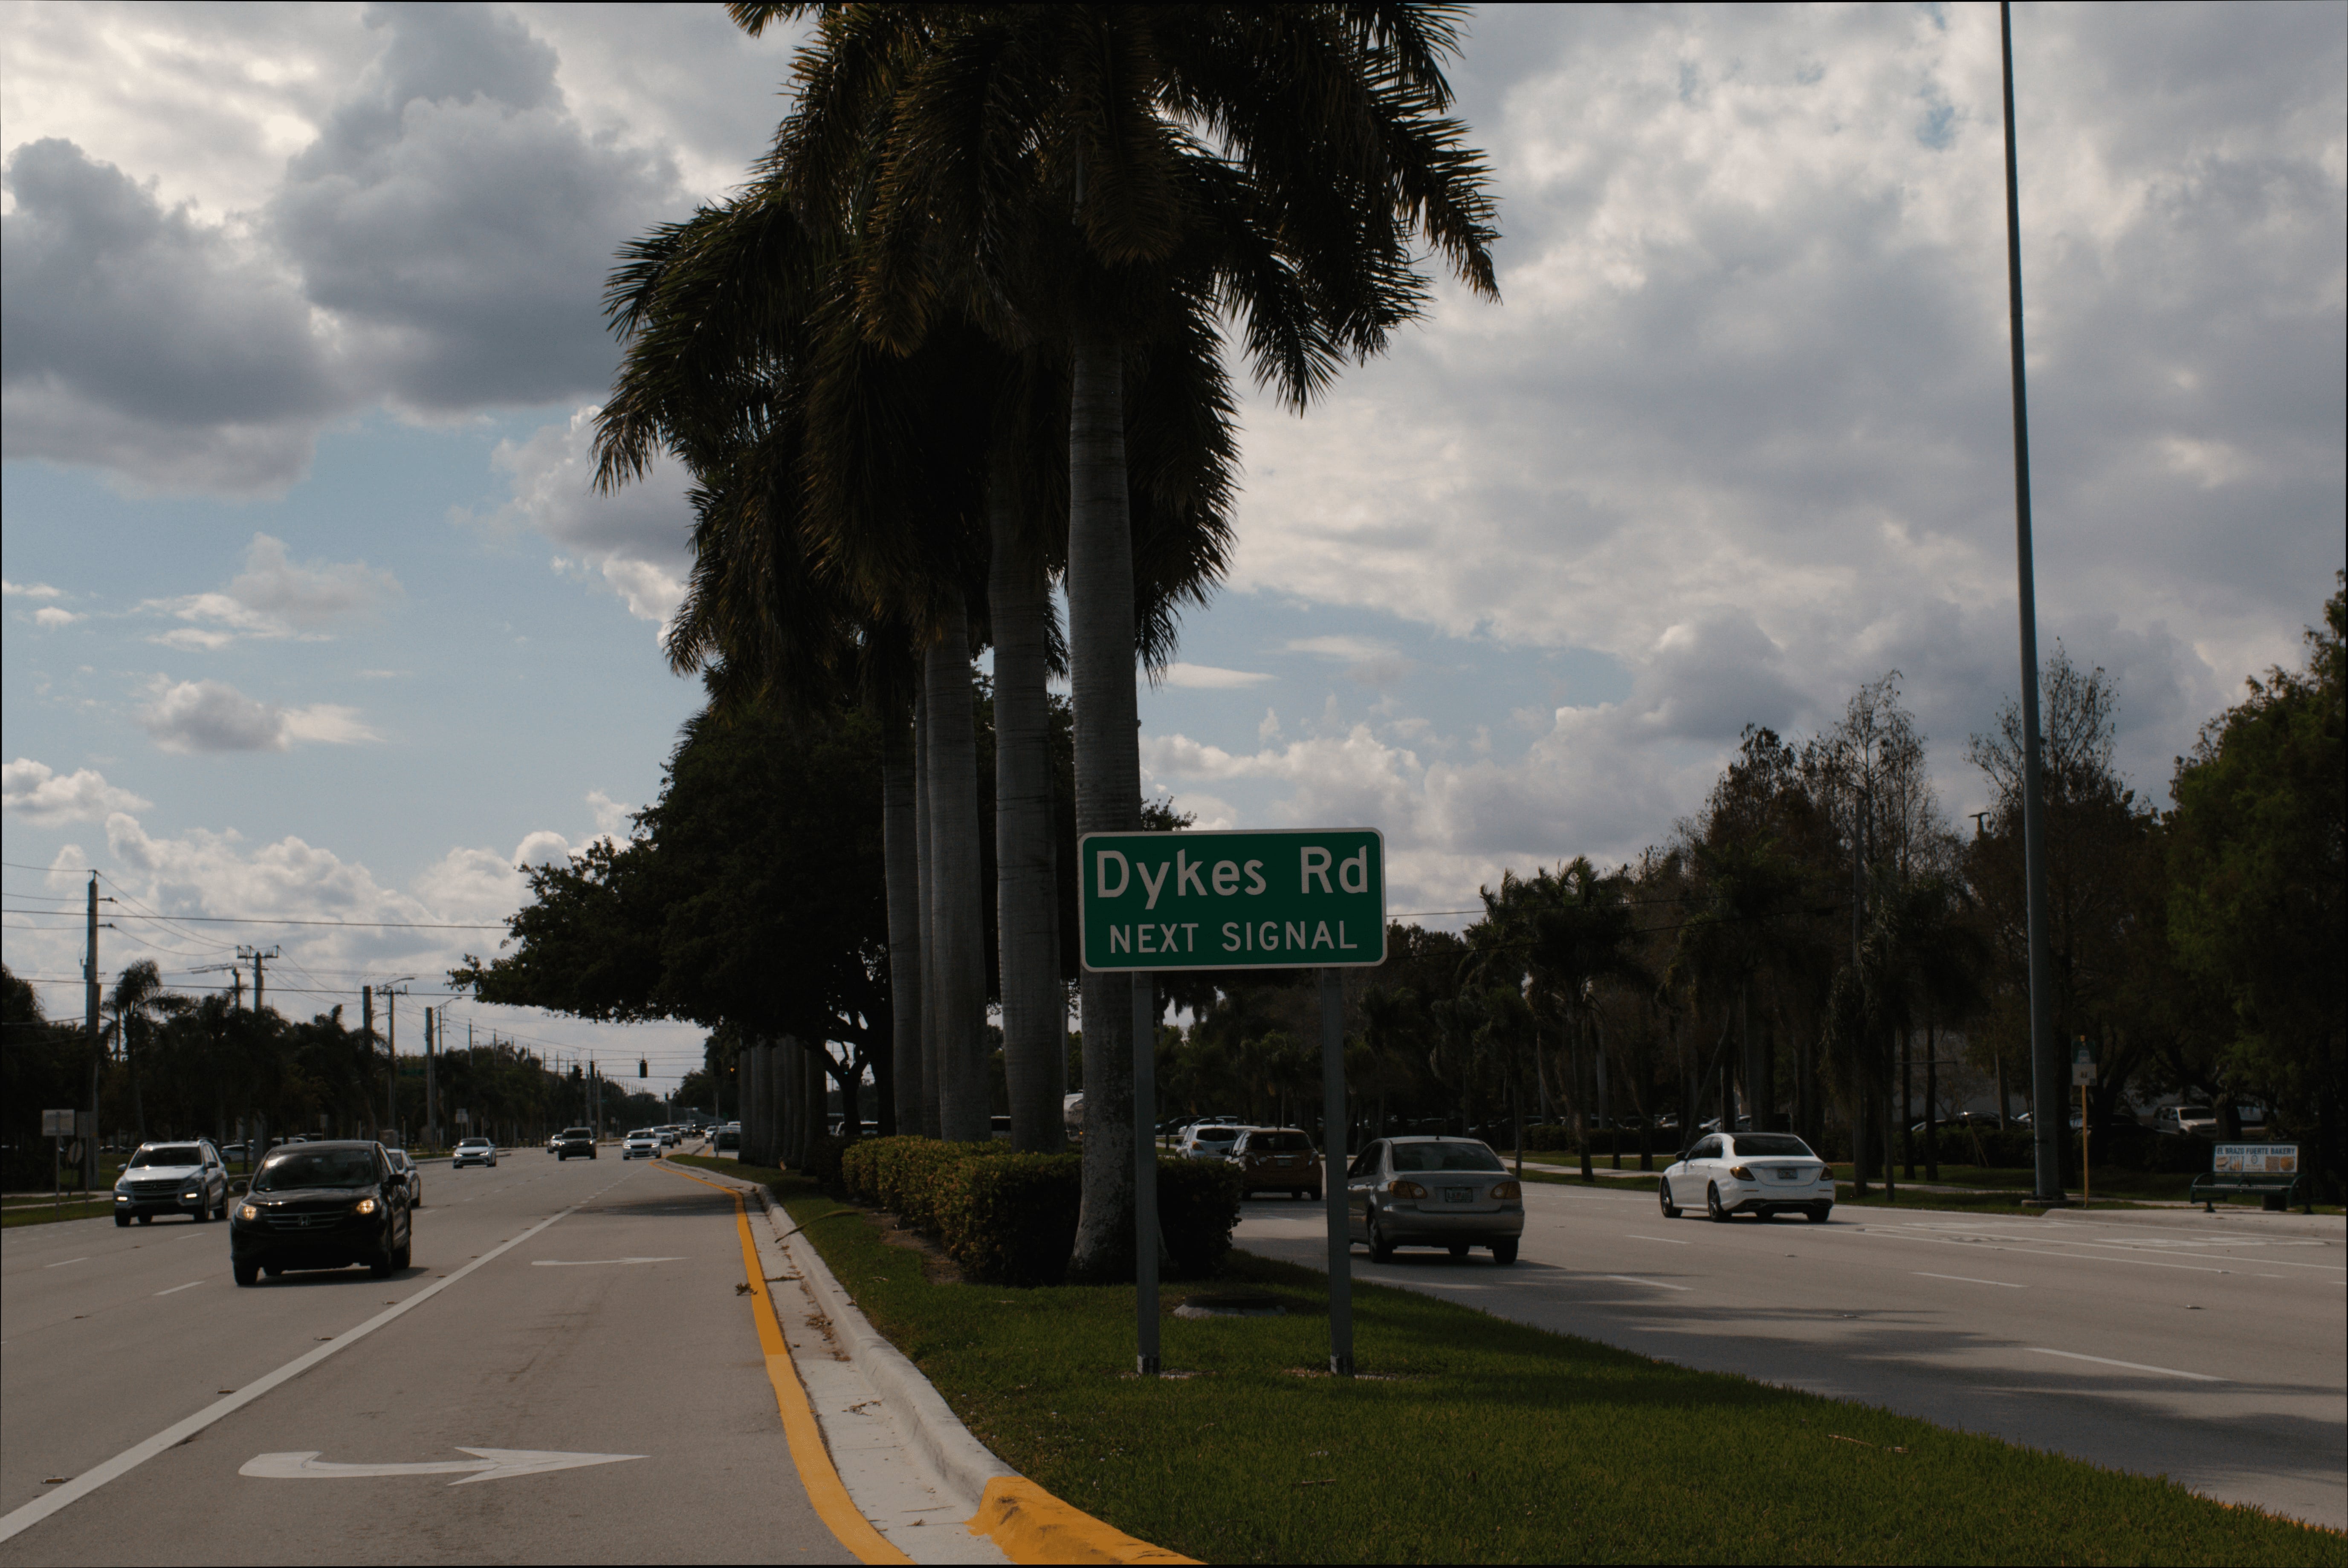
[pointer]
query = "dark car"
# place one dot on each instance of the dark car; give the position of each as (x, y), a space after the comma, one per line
(575, 1140)
(324, 1205)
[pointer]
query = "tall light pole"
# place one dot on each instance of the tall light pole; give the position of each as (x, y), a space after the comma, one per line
(2045, 1058)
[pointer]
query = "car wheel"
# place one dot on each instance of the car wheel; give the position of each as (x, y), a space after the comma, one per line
(1504, 1252)
(1818, 1214)
(272, 1270)
(204, 1212)
(146, 1219)
(246, 1273)
(1711, 1209)
(1314, 1197)
(399, 1260)
(121, 1221)
(1381, 1249)
(221, 1212)
(1663, 1191)
(380, 1266)
(1458, 1249)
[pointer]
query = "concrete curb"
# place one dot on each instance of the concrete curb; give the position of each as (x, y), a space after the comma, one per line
(957, 1459)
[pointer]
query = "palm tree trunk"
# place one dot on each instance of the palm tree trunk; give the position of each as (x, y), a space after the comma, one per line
(957, 913)
(1756, 1099)
(1109, 776)
(1019, 599)
(901, 854)
(926, 868)
(1932, 1099)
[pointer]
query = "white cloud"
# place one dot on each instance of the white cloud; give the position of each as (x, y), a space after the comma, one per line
(50, 617)
(1211, 677)
(636, 538)
(48, 799)
(611, 816)
(211, 716)
(28, 590)
(274, 596)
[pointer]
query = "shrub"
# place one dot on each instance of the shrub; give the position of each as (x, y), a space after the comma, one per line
(823, 1162)
(1198, 1205)
(1012, 1219)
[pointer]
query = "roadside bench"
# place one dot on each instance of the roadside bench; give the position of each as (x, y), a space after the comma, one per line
(2279, 1189)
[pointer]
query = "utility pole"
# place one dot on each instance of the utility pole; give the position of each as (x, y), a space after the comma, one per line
(2045, 1066)
(257, 956)
(392, 991)
(431, 1096)
(97, 1057)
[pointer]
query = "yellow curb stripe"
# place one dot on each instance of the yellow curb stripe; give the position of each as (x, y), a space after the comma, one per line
(818, 1474)
(1031, 1525)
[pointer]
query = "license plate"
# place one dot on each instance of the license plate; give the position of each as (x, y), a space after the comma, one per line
(1459, 1194)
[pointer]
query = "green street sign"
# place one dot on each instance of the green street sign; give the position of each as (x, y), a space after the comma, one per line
(1309, 899)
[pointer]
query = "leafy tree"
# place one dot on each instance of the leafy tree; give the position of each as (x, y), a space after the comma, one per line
(2256, 863)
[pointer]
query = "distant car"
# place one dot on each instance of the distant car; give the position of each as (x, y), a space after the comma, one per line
(409, 1172)
(474, 1152)
(1207, 1141)
(642, 1144)
(729, 1137)
(1976, 1120)
(1278, 1157)
(1448, 1192)
(1760, 1173)
(183, 1177)
(575, 1140)
(322, 1206)
(668, 1135)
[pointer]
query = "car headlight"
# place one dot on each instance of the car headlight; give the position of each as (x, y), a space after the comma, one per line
(1402, 1188)
(120, 1196)
(247, 1213)
(366, 1206)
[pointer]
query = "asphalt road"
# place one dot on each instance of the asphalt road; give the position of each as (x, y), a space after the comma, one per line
(2212, 1348)
(614, 1329)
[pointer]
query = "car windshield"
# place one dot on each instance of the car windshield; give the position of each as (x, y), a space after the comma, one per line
(1278, 1143)
(318, 1167)
(474, 1144)
(1461, 1156)
(1216, 1134)
(168, 1154)
(1772, 1143)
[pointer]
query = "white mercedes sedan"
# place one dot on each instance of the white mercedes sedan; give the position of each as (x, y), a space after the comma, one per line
(1759, 1173)
(642, 1144)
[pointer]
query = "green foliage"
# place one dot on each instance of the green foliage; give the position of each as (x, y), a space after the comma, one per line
(1010, 1219)
(2256, 899)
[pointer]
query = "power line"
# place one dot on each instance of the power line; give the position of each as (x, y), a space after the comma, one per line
(271, 919)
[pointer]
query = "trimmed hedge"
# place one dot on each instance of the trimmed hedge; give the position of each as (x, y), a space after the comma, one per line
(1010, 1219)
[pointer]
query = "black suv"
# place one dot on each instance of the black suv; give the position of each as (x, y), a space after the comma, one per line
(575, 1140)
(322, 1206)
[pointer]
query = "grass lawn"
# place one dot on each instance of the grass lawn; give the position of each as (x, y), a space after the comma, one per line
(45, 1212)
(1476, 1440)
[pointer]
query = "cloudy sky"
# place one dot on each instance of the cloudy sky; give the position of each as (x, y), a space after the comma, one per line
(309, 614)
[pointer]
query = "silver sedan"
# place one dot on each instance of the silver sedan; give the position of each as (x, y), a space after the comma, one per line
(1448, 1192)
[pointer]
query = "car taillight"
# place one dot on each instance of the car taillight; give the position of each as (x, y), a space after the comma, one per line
(1405, 1189)
(1742, 1172)
(1507, 1193)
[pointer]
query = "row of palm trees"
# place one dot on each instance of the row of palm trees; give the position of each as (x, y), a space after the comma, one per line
(961, 338)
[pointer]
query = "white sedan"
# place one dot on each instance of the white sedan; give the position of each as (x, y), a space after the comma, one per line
(1759, 1173)
(642, 1144)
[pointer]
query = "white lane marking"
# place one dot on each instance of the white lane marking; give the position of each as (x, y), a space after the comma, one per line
(1634, 1279)
(1967, 1279)
(592, 1262)
(1665, 1240)
(178, 1288)
(2131, 1366)
(23, 1519)
(493, 1464)
(59, 1265)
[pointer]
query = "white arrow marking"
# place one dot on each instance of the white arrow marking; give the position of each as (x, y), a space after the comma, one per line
(593, 1263)
(494, 1464)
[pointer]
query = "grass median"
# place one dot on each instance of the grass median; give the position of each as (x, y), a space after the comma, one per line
(1476, 1439)
(47, 1211)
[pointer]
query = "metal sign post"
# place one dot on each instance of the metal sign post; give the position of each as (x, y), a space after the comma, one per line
(1302, 898)
(2083, 1073)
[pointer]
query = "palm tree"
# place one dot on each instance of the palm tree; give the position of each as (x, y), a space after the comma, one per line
(1099, 172)
(138, 995)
